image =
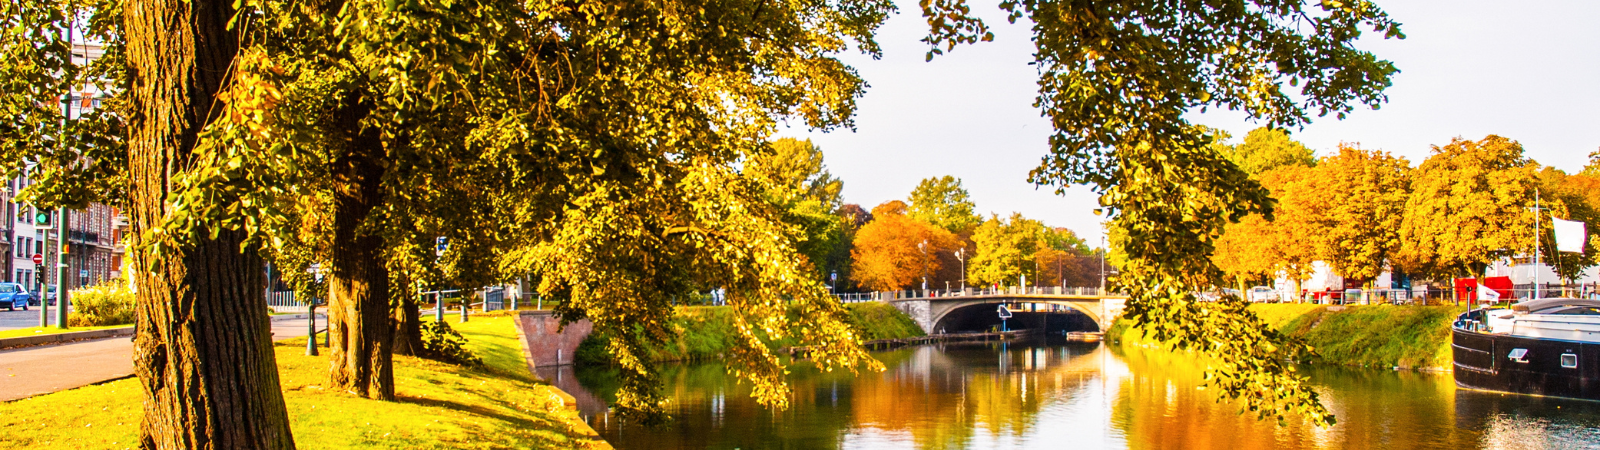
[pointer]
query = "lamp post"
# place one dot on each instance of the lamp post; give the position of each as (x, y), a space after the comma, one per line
(961, 255)
(1102, 264)
(311, 313)
(923, 247)
(1536, 254)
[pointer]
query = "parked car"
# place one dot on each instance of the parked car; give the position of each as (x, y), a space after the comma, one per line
(1263, 294)
(14, 296)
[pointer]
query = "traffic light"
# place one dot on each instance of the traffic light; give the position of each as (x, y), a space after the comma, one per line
(44, 218)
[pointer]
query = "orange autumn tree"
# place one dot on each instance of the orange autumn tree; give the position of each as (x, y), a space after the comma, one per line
(886, 251)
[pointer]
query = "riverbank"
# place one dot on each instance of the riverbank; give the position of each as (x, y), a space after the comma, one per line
(440, 406)
(1385, 336)
(707, 333)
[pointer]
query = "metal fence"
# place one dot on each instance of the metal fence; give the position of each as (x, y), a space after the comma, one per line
(1086, 291)
(285, 301)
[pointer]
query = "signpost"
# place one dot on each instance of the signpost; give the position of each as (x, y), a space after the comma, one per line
(44, 290)
(63, 298)
(442, 243)
(1005, 313)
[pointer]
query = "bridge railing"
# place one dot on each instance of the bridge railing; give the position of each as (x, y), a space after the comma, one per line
(878, 296)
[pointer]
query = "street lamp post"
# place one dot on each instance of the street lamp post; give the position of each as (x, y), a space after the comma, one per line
(1536, 254)
(961, 255)
(63, 273)
(311, 313)
(923, 247)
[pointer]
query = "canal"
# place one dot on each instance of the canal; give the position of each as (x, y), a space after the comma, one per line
(1051, 394)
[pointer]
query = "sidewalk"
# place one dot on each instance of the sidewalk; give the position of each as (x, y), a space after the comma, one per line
(31, 371)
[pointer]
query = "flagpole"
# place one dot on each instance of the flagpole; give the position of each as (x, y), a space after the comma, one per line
(1536, 255)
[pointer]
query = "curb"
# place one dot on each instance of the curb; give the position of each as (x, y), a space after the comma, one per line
(28, 341)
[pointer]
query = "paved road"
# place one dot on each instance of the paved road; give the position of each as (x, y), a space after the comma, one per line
(11, 320)
(27, 372)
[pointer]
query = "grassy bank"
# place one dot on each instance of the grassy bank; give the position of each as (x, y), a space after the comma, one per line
(1411, 337)
(441, 406)
(707, 333)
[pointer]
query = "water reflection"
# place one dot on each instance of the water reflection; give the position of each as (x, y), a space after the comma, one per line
(1057, 394)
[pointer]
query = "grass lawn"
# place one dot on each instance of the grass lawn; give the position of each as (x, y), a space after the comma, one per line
(441, 406)
(1405, 336)
(37, 331)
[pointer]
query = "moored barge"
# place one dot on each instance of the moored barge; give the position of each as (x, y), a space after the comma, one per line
(1538, 347)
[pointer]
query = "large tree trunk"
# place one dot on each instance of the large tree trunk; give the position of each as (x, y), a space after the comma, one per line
(407, 321)
(358, 290)
(203, 352)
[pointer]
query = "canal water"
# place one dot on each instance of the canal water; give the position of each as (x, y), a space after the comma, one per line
(1047, 394)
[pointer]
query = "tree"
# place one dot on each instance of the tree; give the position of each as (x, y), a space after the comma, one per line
(1366, 192)
(202, 353)
(894, 251)
(794, 170)
(1297, 234)
(550, 116)
(1469, 206)
(1593, 168)
(796, 180)
(1247, 249)
(851, 218)
(1006, 250)
(1581, 196)
(942, 201)
(1116, 82)
(1267, 148)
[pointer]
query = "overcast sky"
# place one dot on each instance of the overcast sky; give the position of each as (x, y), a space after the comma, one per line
(1524, 70)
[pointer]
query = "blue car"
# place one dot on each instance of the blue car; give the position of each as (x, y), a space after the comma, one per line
(14, 296)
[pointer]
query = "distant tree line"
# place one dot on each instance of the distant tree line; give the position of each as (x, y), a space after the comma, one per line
(1364, 212)
(897, 246)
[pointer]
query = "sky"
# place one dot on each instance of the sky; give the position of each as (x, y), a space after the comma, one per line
(1529, 71)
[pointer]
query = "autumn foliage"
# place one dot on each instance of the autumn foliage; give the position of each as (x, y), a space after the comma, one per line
(887, 255)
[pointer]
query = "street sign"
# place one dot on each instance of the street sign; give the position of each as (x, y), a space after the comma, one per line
(1005, 313)
(38, 258)
(443, 244)
(83, 273)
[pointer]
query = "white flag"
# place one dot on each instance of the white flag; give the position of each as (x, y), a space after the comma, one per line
(1487, 295)
(1570, 235)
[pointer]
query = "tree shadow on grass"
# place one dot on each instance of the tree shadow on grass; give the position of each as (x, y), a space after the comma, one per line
(553, 425)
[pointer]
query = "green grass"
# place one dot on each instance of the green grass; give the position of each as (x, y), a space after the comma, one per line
(441, 406)
(878, 320)
(1411, 337)
(40, 331)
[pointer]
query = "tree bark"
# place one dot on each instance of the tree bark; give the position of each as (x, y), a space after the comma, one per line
(358, 289)
(203, 352)
(407, 321)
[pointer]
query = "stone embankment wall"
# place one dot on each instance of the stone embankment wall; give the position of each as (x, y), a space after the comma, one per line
(545, 342)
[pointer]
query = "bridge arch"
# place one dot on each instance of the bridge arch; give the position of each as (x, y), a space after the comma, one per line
(962, 315)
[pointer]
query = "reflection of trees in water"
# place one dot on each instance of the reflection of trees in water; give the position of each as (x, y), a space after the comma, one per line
(942, 397)
(1159, 404)
(973, 396)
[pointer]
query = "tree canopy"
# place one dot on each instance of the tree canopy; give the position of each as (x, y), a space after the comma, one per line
(1006, 250)
(1267, 148)
(942, 201)
(1581, 195)
(1470, 205)
(1116, 82)
(1366, 193)
(894, 251)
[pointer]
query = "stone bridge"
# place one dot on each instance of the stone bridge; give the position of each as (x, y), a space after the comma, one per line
(934, 312)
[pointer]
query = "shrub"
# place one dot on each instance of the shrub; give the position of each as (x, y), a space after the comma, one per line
(108, 303)
(441, 343)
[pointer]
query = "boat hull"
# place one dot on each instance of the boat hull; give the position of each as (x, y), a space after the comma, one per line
(1484, 361)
